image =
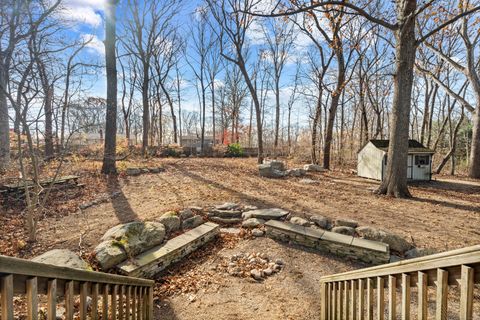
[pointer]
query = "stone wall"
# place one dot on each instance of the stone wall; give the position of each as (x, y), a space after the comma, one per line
(151, 262)
(368, 251)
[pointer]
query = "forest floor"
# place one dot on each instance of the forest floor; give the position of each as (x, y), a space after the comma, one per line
(443, 214)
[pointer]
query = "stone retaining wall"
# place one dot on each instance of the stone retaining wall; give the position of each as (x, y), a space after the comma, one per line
(368, 251)
(151, 262)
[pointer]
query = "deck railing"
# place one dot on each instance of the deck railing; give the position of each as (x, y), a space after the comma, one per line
(372, 292)
(112, 296)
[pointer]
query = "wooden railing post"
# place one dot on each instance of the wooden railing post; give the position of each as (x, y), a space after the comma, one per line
(323, 301)
(95, 292)
(83, 300)
(405, 297)
(392, 298)
(32, 298)
(466, 292)
(52, 299)
(369, 299)
(422, 289)
(442, 294)
(6, 292)
(69, 310)
(380, 298)
(361, 299)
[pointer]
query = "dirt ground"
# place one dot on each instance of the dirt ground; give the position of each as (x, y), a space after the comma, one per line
(443, 214)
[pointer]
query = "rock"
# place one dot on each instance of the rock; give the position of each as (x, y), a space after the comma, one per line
(62, 258)
(144, 170)
(133, 172)
(227, 206)
(154, 169)
(346, 223)
(248, 208)
(300, 221)
(136, 237)
(321, 221)
(225, 213)
(109, 255)
(297, 172)
(344, 230)
(185, 214)
(192, 222)
(419, 252)
(196, 208)
(225, 220)
(276, 165)
(313, 167)
(266, 214)
(277, 268)
(265, 170)
(256, 274)
(257, 232)
(170, 220)
(279, 262)
(267, 272)
(396, 243)
(252, 223)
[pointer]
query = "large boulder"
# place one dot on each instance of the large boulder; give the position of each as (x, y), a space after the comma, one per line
(321, 221)
(62, 258)
(265, 170)
(265, 214)
(276, 165)
(126, 240)
(227, 206)
(109, 254)
(170, 220)
(192, 222)
(419, 252)
(396, 242)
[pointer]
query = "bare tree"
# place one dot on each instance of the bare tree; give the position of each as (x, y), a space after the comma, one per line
(233, 18)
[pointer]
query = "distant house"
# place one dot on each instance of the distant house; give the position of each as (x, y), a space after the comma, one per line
(372, 160)
(194, 142)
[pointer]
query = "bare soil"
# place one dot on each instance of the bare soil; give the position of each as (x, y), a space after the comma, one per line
(443, 214)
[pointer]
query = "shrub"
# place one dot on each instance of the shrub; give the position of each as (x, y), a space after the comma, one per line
(234, 150)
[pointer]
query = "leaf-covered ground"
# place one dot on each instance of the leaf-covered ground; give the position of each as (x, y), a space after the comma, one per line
(444, 215)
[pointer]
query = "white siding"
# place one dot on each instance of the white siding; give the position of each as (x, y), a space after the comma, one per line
(369, 162)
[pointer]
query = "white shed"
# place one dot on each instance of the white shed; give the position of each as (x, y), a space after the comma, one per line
(372, 160)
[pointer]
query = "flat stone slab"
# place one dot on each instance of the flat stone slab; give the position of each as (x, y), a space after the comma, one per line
(369, 251)
(151, 262)
(266, 214)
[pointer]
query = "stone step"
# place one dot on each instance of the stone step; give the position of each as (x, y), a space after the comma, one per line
(325, 241)
(151, 262)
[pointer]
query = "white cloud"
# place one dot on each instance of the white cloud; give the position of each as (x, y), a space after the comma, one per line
(96, 45)
(83, 12)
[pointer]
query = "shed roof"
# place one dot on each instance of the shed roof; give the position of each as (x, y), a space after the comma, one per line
(413, 146)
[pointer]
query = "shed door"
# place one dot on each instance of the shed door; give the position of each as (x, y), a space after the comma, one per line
(410, 167)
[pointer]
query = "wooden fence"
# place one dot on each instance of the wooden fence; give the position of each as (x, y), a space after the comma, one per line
(361, 294)
(112, 296)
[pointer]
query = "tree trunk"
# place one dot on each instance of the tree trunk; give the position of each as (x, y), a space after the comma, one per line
(334, 104)
(4, 120)
(109, 155)
(315, 123)
(146, 108)
(474, 170)
(48, 122)
(395, 179)
(277, 111)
